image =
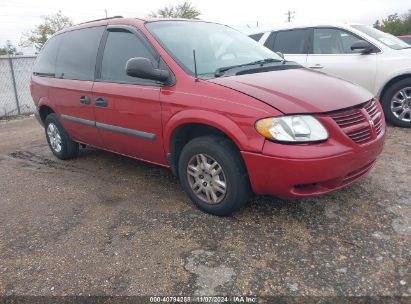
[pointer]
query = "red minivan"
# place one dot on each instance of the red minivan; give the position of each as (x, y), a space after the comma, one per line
(225, 114)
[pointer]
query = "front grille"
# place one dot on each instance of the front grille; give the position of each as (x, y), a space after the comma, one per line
(361, 124)
(360, 136)
(348, 118)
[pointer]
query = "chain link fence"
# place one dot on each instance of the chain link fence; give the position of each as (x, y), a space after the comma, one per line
(15, 97)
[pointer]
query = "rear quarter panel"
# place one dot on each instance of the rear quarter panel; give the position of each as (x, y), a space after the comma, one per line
(39, 91)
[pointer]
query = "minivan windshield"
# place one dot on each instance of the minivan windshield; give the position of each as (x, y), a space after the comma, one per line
(216, 46)
(385, 38)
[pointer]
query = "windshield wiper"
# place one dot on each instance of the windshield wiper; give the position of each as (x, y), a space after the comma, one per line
(220, 71)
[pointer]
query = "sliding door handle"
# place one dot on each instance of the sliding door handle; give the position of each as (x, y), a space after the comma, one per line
(85, 100)
(101, 102)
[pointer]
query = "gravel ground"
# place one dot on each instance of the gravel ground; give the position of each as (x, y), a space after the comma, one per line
(103, 224)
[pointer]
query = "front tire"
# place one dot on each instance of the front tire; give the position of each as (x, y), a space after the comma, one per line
(213, 175)
(396, 103)
(59, 141)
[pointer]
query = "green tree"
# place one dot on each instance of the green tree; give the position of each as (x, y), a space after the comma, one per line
(395, 24)
(182, 10)
(38, 36)
(9, 49)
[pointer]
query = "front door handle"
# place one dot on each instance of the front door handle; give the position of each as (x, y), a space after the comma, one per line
(317, 66)
(85, 100)
(101, 102)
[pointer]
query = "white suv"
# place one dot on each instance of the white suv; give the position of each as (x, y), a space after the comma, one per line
(361, 54)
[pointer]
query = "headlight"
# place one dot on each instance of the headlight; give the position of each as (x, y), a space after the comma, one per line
(293, 128)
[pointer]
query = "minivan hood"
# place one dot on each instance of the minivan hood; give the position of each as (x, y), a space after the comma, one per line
(297, 90)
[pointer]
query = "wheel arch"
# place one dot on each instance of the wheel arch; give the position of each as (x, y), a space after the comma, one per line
(391, 82)
(44, 108)
(189, 124)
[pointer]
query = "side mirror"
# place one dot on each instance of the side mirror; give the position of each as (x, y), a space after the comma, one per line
(362, 47)
(143, 68)
(280, 54)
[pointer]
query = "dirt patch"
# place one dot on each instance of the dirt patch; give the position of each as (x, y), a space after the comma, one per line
(108, 225)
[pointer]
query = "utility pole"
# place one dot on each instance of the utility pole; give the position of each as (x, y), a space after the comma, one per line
(106, 12)
(290, 15)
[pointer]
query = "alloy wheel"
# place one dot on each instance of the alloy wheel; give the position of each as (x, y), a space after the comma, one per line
(401, 104)
(54, 137)
(206, 178)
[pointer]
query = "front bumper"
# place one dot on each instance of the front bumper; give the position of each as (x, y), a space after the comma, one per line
(296, 171)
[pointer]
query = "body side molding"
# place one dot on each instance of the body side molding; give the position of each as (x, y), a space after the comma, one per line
(131, 132)
(79, 120)
(142, 134)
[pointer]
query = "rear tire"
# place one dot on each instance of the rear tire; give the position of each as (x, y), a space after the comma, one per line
(213, 175)
(396, 101)
(59, 141)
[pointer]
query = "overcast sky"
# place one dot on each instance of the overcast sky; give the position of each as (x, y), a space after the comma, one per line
(17, 16)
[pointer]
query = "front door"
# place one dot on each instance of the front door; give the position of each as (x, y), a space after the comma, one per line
(128, 109)
(331, 53)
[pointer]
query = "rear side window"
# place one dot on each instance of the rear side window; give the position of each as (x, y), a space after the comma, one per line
(78, 52)
(291, 42)
(46, 61)
(256, 37)
(120, 47)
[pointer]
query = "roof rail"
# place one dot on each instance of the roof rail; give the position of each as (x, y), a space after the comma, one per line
(101, 19)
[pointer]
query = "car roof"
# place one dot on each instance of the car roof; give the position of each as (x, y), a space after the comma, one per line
(141, 20)
(291, 26)
(120, 20)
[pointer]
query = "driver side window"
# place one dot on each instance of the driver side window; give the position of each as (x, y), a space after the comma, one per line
(120, 47)
(333, 41)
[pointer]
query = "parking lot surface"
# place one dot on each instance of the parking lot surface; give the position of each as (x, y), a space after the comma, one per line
(104, 224)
